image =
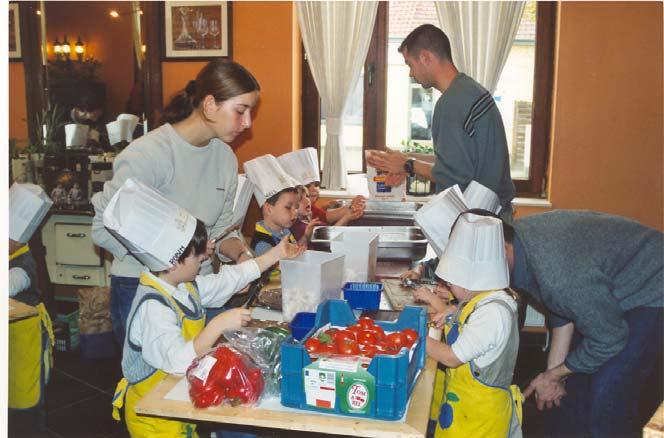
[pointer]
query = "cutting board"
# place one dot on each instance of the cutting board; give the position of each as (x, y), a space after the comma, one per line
(400, 296)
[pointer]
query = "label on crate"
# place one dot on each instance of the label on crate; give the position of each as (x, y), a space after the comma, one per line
(342, 376)
(320, 388)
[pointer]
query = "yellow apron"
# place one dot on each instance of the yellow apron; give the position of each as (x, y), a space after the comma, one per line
(469, 407)
(28, 356)
(146, 426)
(275, 274)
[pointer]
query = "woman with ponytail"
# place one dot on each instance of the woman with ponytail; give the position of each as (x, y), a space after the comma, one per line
(189, 160)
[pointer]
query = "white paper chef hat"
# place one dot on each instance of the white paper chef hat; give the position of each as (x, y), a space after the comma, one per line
(154, 229)
(268, 176)
(76, 134)
(245, 189)
(437, 216)
(479, 196)
(28, 204)
(475, 255)
(301, 165)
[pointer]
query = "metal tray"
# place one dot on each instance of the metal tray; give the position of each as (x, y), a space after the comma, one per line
(388, 209)
(394, 243)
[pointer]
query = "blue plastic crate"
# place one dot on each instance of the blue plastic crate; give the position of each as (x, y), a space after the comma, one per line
(364, 296)
(392, 374)
(302, 324)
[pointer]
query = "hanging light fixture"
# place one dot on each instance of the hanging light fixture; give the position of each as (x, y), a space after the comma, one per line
(66, 48)
(57, 48)
(79, 49)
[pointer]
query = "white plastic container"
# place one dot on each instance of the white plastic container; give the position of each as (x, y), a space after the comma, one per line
(360, 251)
(308, 280)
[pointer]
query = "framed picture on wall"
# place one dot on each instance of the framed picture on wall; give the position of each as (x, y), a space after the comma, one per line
(14, 33)
(196, 29)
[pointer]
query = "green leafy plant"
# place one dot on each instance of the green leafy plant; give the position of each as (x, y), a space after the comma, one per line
(419, 148)
(13, 150)
(52, 119)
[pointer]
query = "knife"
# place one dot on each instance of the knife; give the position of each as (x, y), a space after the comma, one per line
(255, 288)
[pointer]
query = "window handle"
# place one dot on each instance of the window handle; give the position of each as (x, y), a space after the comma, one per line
(370, 72)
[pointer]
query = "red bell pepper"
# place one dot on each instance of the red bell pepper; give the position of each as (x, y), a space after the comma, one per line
(224, 374)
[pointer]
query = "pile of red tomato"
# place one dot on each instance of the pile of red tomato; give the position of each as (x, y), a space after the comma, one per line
(362, 339)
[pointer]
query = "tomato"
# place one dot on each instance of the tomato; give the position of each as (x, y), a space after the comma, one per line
(366, 337)
(312, 345)
(385, 347)
(366, 323)
(347, 347)
(378, 332)
(368, 350)
(411, 337)
(397, 339)
(331, 331)
(344, 334)
(356, 328)
(327, 349)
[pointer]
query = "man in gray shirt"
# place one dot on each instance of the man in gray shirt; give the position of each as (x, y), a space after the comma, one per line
(467, 129)
(599, 278)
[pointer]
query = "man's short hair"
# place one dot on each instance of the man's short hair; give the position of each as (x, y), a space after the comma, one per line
(429, 37)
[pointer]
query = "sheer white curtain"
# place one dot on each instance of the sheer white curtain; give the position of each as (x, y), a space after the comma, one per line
(336, 37)
(481, 35)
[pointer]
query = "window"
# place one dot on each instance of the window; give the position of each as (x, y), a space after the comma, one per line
(523, 94)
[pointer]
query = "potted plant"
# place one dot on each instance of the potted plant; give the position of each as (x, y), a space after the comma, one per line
(20, 169)
(421, 151)
(47, 147)
(418, 186)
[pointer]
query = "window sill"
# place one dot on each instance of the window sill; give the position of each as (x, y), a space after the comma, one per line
(357, 186)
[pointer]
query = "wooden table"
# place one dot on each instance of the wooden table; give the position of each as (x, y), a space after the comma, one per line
(415, 424)
(655, 427)
(19, 310)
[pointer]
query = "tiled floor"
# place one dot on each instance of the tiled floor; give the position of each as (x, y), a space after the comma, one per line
(80, 391)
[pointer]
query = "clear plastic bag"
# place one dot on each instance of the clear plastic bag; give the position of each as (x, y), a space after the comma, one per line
(263, 345)
(224, 375)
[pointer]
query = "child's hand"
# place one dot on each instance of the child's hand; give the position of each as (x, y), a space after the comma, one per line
(424, 294)
(234, 318)
(209, 248)
(439, 318)
(289, 250)
(309, 230)
(443, 292)
(413, 274)
(284, 250)
(358, 202)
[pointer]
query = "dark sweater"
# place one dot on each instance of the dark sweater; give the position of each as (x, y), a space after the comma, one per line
(469, 140)
(589, 268)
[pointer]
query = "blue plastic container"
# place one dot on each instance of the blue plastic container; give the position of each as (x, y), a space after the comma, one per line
(394, 375)
(363, 296)
(302, 324)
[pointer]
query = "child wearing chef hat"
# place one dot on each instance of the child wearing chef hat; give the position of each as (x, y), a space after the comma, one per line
(276, 194)
(166, 329)
(481, 339)
(30, 339)
(436, 217)
(303, 166)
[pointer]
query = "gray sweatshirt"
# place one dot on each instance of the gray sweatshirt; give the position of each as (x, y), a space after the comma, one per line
(202, 180)
(589, 268)
(469, 140)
